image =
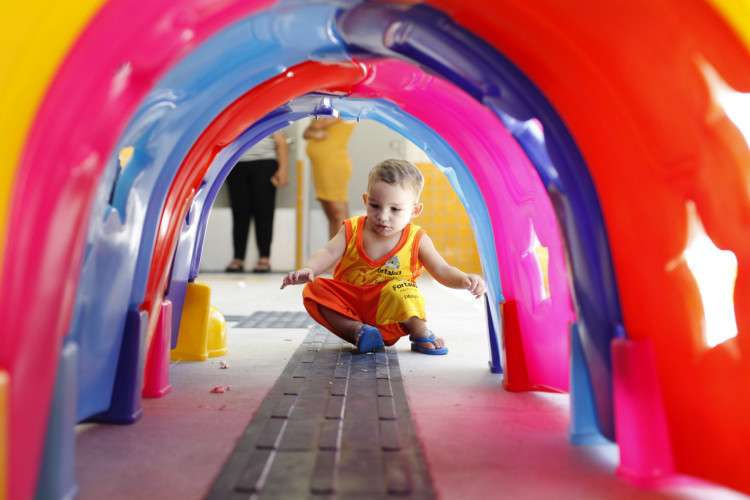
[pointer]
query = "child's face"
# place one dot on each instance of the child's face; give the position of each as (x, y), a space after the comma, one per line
(390, 207)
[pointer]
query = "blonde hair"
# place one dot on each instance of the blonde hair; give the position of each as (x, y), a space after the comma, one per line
(399, 172)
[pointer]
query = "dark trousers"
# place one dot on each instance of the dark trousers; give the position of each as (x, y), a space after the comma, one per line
(252, 196)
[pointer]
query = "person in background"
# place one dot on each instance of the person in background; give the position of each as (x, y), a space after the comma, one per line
(252, 187)
(327, 140)
(373, 299)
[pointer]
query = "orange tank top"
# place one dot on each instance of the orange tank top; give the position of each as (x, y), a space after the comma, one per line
(401, 263)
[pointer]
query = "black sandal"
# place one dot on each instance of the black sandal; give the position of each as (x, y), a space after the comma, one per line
(262, 267)
(234, 268)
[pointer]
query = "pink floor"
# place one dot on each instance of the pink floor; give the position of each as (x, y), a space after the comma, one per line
(479, 440)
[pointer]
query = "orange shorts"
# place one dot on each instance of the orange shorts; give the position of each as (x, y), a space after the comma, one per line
(383, 306)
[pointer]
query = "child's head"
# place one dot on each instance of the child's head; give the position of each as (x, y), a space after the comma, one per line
(392, 198)
(398, 172)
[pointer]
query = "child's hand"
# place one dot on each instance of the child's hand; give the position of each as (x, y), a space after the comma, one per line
(475, 284)
(298, 277)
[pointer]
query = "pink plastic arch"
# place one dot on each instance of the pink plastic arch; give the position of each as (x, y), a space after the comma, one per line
(74, 132)
(515, 198)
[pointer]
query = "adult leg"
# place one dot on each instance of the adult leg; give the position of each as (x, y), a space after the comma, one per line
(336, 212)
(263, 201)
(239, 200)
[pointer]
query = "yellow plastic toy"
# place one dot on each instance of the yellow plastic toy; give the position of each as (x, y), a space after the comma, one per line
(217, 334)
(203, 329)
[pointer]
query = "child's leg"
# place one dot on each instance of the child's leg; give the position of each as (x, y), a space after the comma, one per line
(346, 327)
(418, 328)
(338, 306)
(349, 329)
(401, 299)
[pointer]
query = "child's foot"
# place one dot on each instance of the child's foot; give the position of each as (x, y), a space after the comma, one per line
(368, 338)
(428, 345)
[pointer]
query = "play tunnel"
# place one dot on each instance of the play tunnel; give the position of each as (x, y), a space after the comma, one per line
(589, 128)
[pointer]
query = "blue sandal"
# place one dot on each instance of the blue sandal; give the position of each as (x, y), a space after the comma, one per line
(370, 340)
(418, 348)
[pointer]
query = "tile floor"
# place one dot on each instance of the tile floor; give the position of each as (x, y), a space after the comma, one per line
(479, 441)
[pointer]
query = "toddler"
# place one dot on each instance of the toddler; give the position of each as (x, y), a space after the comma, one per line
(373, 299)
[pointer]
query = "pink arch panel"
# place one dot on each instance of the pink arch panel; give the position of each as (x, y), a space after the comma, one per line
(74, 131)
(515, 198)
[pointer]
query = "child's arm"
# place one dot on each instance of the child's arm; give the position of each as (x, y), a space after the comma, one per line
(444, 273)
(322, 259)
